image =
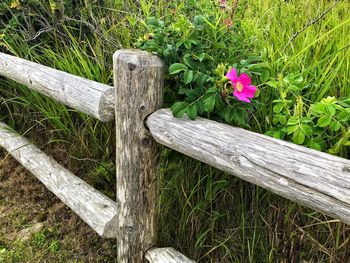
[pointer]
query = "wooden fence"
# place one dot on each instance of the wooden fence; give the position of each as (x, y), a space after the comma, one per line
(314, 179)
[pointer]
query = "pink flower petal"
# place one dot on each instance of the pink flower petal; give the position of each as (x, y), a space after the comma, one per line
(232, 75)
(240, 96)
(243, 91)
(249, 91)
(245, 79)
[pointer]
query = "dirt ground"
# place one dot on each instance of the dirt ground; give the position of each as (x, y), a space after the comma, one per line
(64, 237)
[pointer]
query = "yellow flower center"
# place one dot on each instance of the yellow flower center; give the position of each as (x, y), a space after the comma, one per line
(239, 86)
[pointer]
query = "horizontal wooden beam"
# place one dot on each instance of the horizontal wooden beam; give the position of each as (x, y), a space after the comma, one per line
(97, 210)
(167, 254)
(90, 97)
(318, 180)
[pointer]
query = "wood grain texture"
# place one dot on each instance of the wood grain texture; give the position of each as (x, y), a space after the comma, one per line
(166, 255)
(85, 95)
(312, 178)
(138, 78)
(97, 210)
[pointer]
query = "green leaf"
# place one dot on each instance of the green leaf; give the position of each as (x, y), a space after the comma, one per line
(198, 20)
(324, 121)
(319, 108)
(272, 83)
(183, 90)
(152, 21)
(274, 133)
(209, 104)
(189, 61)
(306, 120)
(298, 136)
(188, 44)
(277, 135)
(275, 120)
(200, 107)
(277, 108)
(188, 77)
(201, 78)
(283, 120)
(179, 108)
(219, 104)
(330, 109)
(265, 75)
(306, 129)
(229, 115)
(211, 90)
(279, 118)
(343, 116)
(176, 68)
(193, 94)
(292, 129)
(345, 103)
(314, 145)
(191, 111)
(335, 125)
(293, 121)
(241, 116)
(201, 57)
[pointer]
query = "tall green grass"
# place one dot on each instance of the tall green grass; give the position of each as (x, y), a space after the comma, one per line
(207, 214)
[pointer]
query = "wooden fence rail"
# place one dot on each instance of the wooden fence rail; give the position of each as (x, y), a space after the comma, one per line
(317, 180)
(97, 210)
(138, 92)
(93, 98)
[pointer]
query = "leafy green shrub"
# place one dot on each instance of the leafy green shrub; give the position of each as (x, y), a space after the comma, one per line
(323, 125)
(197, 54)
(200, 52)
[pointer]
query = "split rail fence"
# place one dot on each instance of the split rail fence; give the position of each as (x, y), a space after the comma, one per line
(314, 179)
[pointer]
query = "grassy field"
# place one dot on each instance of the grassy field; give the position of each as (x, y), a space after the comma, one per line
(208, 215)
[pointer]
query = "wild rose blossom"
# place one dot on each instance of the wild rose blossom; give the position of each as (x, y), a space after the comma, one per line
(223, 3)
(242, 89)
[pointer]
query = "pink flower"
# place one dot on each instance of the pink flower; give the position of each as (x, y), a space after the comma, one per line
(228, 22)
(223, 3)
(242, 89)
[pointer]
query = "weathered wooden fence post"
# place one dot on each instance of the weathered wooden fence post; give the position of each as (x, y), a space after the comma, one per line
(138, 81)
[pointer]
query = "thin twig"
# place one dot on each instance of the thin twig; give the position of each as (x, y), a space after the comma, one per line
(311, 22)
(234, 9)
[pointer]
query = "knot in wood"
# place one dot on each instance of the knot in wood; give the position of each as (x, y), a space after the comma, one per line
(346, 169)
(131, 66)
(146, 141)
(129, 229)
(142, 108)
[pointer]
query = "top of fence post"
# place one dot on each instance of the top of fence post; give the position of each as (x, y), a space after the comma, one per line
(138, 80)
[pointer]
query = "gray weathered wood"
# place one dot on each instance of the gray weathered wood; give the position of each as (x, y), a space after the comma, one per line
(97, 210)
(166, 255)
(312, 178)
(138, 78)
(85, 95)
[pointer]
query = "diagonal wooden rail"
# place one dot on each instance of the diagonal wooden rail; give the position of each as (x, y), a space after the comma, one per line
(97, 210)
(166, 255)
